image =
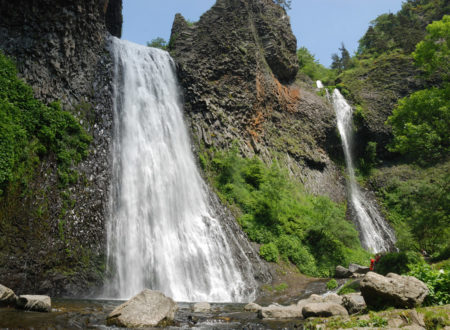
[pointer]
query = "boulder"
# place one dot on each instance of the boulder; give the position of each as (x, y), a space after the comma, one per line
(358, 269)
(201, 307)
(276, 311)
(333, 298)
(146, 309)
(354, 303)
(323, 310)
(314, 298)
(342, 272)
(252, 307)
(392, 290)
(7, 297)
(34, 303)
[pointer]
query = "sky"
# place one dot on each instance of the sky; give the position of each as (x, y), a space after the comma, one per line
(319, 25)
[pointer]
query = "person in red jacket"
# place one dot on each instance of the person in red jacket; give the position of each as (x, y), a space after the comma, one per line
(372, 264)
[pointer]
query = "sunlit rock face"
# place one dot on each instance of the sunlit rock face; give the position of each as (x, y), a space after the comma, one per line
(237, 66)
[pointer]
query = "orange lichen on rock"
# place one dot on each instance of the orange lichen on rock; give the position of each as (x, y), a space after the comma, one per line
(288, 96)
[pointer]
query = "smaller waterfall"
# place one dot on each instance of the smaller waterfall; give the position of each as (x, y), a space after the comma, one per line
(375, 233)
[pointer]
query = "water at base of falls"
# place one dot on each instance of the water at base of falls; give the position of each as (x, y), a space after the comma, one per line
(375, 234)
(162, 233)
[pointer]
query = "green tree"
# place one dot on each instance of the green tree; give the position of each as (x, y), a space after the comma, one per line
(421, 125)
(433, 52)
(312, 68)
(158, 43)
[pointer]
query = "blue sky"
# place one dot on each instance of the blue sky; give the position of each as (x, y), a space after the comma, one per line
(319, 25)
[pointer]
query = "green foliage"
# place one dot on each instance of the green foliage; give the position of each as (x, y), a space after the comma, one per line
(368, 161)
(438, 282)
(417, 203)
(30, 130)
(158, 43)
(349, 287)
(269, 252)
(310, 231)
(433, 53)
(421, 125)
(332, 284)
(343, 62)
(402, 30)
(312, 68)
(397, 262)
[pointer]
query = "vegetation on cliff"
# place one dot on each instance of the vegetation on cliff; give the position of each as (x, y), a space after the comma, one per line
(276, 212)
(30, 130)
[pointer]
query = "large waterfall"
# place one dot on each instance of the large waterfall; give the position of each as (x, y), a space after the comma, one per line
(375, 233)
(162, 232)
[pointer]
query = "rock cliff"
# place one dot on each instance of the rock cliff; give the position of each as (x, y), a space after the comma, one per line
(238, 68)
(53, 239)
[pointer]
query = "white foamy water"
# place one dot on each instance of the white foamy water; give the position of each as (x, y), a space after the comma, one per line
(375, 234)
(162, 233)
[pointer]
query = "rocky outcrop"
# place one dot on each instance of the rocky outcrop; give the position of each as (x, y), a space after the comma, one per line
(342, 272)
(146, 309)
(34, 303)
(378, 88)
(237, 66)
(392, 290)
(7, 297)
(252, 307)
(354, 303)
(323, 310)
(358, 269)
(53, 239)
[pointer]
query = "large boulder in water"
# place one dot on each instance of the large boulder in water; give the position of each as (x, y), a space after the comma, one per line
(34, 303)
(392, 290)
(323, 310)
(7, 297)
(146, 309)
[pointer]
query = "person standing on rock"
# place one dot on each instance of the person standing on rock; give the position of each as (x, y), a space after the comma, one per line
(372, 264)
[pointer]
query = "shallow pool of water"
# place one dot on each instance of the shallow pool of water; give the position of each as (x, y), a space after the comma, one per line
(89, 314)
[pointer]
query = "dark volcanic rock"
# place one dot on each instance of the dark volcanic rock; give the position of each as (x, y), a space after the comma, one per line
(237, 67)
(53, 240)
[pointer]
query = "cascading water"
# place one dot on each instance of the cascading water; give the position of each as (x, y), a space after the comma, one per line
(162, 233)
(375, 233)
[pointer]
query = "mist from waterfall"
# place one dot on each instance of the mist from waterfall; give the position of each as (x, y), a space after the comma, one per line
(375, 234)
(162, 233)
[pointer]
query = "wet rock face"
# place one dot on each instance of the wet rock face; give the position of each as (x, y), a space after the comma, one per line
(54, 239)
(237, 66)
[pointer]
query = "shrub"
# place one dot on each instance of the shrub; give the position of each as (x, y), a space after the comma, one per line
(269, 252)
(30, 130)
(438, 282)
(349, 287)
(397, 262)
(309, 231)
(332, 284)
